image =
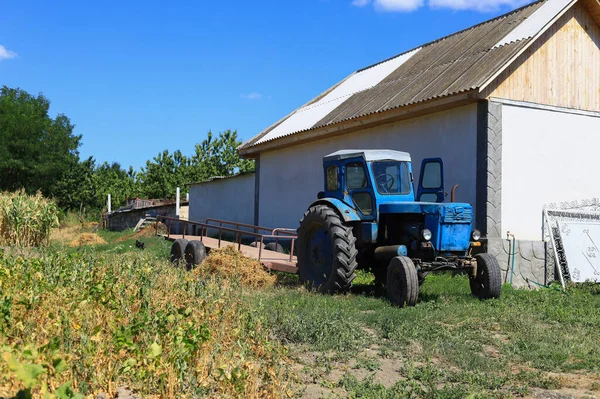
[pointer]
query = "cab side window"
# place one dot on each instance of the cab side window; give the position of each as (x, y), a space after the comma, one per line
(355, 176)
(332, 178)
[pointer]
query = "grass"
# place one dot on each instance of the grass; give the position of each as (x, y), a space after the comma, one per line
(497, 348)
(97, 317)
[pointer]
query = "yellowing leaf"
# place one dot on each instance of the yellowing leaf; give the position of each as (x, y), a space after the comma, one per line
(154, 351)
(27, 373)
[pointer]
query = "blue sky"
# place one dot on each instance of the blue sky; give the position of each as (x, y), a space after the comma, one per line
(138, 77)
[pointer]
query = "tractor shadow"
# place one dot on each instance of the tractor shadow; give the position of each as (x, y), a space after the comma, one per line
(380, 292)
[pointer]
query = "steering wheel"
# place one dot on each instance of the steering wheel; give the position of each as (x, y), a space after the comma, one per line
(385, 181)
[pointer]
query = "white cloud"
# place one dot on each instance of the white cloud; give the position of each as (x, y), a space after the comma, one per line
(477, 5)
(252, 96)
(398, 5)
(391, 5)
(411, 5)
(6, 54)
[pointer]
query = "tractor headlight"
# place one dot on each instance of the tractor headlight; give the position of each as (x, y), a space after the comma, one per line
(426, 235)
(476, 235)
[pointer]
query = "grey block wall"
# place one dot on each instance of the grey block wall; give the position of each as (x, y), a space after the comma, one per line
(530, 262)
(530, 256)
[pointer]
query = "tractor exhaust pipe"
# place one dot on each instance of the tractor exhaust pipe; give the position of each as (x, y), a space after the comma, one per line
(390, 251)
(453, 193)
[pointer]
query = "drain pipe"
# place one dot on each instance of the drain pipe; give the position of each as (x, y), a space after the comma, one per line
(509, 235)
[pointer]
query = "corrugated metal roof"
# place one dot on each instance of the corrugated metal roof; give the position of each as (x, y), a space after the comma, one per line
(454, 64)
(307, 116)
(538, 20)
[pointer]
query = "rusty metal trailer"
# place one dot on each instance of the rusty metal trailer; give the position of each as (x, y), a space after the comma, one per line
(213, 233)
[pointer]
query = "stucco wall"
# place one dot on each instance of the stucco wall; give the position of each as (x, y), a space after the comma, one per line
(228, 199)
(547, 156)
(290, 178)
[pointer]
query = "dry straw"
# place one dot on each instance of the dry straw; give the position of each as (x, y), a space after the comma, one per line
(26, 220)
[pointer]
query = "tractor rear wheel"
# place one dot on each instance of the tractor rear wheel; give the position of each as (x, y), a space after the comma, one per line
(177, 250)
(402, 282)
(326, 250)
(487, 283)
(195, 253)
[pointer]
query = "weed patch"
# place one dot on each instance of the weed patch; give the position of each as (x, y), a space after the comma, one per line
(87, 322)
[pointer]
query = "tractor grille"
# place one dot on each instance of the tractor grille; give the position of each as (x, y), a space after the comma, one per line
(458, 215)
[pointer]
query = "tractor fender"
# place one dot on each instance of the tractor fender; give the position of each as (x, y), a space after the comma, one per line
(346, 212)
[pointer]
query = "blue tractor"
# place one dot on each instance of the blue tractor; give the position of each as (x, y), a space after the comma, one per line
(370, 217)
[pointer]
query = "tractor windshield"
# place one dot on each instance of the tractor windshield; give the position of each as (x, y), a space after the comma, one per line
(391, 177)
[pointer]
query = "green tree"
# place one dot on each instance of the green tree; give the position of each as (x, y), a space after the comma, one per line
(163, 174)
(35, 149)
(213, 157)
(77, 187)
(219, 157)
(116, 181)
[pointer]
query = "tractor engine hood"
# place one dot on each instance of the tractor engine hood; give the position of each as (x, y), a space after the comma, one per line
(450, 212)
(449, 223)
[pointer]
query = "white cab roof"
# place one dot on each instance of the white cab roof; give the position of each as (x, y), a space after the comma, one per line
(369, 155)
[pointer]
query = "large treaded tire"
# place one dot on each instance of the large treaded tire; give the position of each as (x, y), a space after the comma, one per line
(195, 253)
(336, 271)
(488, 282)
(178, 250)
(402, 282)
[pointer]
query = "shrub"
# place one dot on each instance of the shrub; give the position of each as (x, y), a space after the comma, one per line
(26, 220)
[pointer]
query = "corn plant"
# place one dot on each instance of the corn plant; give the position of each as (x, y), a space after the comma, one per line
(26, 220)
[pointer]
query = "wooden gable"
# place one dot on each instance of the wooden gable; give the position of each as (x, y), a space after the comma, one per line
(562, 68)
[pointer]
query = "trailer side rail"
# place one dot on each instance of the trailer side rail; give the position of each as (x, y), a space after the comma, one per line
(232, 227)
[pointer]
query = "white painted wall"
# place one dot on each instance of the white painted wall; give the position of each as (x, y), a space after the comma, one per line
(547, 157)
(290, 178)
(228, 199)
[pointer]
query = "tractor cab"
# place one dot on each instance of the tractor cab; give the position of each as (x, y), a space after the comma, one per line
(368, 178)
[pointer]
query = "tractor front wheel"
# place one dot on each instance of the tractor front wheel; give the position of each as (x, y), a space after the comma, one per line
(402, 282)
(487, 283)
(326, 250)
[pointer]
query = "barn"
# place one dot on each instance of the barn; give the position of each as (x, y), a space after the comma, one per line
(511, 105)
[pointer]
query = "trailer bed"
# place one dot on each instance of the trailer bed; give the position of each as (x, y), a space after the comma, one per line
(270, 259)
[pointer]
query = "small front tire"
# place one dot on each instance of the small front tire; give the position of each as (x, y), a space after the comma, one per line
(402, 282)
(487, 283)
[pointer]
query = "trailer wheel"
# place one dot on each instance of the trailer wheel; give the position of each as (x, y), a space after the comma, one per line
(326, 250)
(195, 253)
(402, 282)
(487, 283)
(178, 250)
(276, 247)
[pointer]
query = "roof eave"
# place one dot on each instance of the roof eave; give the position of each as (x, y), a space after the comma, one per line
(365, 122)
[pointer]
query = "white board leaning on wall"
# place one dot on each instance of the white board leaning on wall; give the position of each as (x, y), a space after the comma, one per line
(581, 241)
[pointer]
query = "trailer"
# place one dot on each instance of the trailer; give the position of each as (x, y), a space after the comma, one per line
(199, 237)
